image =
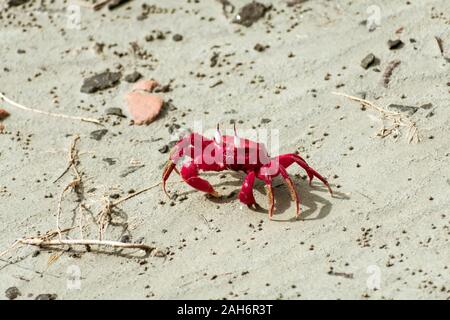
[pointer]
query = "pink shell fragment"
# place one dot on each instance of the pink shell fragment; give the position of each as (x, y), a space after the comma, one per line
(143, 107)
(145, 85)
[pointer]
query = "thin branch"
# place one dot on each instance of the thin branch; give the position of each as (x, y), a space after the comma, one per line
(62, 242)
(57, 115)
(116, 203)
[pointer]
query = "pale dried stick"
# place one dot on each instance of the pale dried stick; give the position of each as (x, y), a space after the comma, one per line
(47, 236)
(116, 203)
(45, 243)
(57, 115)
(398, 119)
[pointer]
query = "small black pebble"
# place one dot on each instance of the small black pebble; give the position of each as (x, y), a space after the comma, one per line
(12, 293)
(177, 37)
(46, 296)
(395, 44)
(133, 77)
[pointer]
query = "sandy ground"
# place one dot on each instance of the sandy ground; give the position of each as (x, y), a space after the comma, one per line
(387, 228)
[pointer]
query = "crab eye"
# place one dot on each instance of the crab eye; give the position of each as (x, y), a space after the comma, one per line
(217, 136)
(237, 141)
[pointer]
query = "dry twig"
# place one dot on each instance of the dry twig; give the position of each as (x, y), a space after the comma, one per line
(57, 115)
(397, 120)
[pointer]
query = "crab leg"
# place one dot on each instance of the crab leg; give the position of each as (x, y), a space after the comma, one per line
(287, 159)
(246, 193)
(170, 166)
(294, 194)
(270, 198)
(189, 173)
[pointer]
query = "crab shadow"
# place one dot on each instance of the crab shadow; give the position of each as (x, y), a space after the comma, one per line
(310, 200)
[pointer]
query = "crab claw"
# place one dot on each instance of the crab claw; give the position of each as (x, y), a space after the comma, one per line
(168, 168)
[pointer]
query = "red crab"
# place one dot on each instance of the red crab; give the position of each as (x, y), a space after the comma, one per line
(237, 154)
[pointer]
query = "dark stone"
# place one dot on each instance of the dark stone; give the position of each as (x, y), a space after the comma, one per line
(164, 149)
(98, 134)
(16, 3)
(160, 35)
(426, 106)
(368, 61)
(133, 77)
(162, 88)
(214, 59)
(177, 37)
(12, 293)
(149, 38)
(250, 13)
(114, 112)
(410, 110)
(293, 3)
(101, 81)
(265, 120)
(259, 47)
(110, 161)
(46, 296)
(116, 3)
(395, 44)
